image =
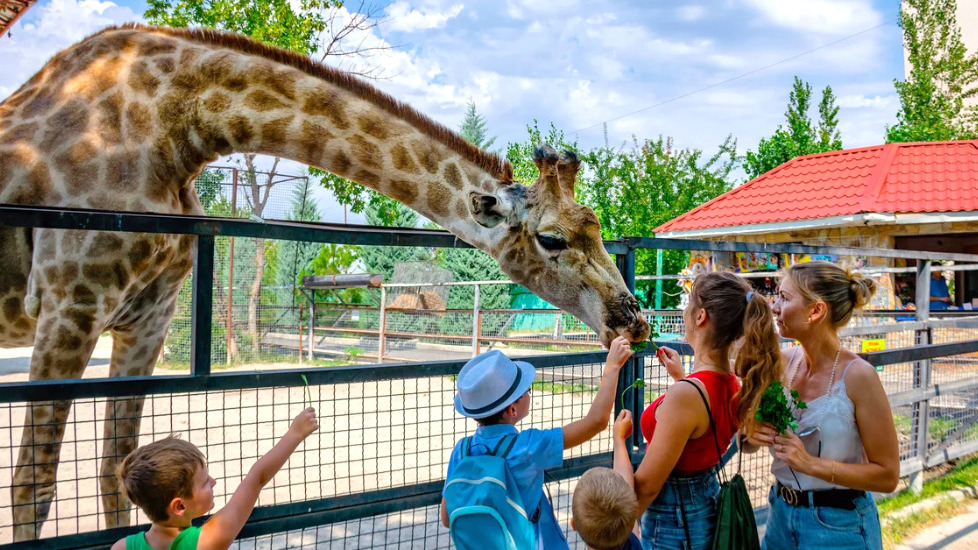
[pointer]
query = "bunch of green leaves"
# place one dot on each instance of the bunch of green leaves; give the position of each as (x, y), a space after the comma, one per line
(638, 383)
(776, 408)
(641, 346)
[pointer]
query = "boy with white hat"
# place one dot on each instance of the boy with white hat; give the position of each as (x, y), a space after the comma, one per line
(495, 391)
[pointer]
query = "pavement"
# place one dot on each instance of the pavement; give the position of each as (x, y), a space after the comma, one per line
(957, 533)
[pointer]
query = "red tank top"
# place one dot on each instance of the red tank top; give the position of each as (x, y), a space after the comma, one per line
(700, 453)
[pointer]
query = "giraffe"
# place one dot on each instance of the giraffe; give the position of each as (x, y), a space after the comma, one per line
(128, 117)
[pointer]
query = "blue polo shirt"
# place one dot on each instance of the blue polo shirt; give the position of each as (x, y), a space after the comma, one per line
(938, 289)
(533, 452)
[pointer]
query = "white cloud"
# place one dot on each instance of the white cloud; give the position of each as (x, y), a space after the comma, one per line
(888, 102)
(402, 17)
(691, 13)
(53, 26)
(834, 17)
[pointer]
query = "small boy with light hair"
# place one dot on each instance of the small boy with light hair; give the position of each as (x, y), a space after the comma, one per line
(168, 480)
(604, 505)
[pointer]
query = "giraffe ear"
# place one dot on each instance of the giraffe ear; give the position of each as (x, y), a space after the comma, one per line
(545, 157)
(567, 168)
(487, 210)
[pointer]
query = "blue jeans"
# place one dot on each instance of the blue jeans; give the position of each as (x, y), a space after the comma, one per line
(822, 527)
(662, 522)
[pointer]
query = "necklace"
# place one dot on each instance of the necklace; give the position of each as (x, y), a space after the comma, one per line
(817, 427)
(835, 365)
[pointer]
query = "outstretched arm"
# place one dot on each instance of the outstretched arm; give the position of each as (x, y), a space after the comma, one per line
(596, 419)
(622, 459)
(222, 528)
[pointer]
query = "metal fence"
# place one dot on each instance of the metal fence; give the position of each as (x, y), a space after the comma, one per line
(371, 476)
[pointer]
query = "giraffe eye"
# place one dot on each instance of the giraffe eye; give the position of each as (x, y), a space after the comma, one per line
(552, 243)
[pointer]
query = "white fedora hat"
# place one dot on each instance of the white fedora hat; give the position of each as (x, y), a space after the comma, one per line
(490, 382)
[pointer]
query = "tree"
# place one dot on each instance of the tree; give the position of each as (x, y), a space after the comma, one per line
(799, 137)
(942, 76)
(634, 190)
(296, 257)
(208, 187)
(382, 259)
(473, 128)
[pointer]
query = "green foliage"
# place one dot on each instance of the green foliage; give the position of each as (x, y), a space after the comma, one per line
(271, 21)
(641, 346)
(965, 474)
(800, 136)
(942, 76)
(638, 383)
(295, 258)
(357, 198)
(776, 410)
(352, 352)
(520, 154)
(473, 128)
(208, 187)
(635, 190)
(381, 259)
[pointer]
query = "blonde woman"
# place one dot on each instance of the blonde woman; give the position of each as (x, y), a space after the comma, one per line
(846, 444)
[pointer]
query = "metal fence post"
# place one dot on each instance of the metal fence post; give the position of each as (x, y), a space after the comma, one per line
(658, 282)
(312, 324)
(229, 337)
(203, 305)
(633, 369)
(383, 324)
(920, 417)
(476, 324)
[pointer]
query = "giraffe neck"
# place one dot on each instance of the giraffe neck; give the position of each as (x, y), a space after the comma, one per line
(330, 121)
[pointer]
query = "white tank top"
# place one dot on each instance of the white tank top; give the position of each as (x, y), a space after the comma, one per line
(837, 437)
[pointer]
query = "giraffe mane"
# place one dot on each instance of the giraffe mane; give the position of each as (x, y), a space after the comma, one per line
(492, 163)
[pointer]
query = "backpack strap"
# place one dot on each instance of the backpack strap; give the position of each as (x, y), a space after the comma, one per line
(508, 438)
(713, 426)
(467, 447)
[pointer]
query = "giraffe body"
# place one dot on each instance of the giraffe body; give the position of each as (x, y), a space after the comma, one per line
(127, 118)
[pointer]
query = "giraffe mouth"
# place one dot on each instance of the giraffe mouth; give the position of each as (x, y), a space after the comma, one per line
(623, 317)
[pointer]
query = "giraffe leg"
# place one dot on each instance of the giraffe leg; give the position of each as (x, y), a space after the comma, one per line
(134, 353)
(61, 350)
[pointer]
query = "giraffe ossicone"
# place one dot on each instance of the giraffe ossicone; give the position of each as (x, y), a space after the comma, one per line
(127, 118)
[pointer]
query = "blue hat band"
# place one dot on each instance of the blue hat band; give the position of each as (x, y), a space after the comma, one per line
(501, 400)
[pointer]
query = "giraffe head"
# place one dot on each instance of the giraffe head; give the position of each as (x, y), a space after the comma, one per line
(553, 246)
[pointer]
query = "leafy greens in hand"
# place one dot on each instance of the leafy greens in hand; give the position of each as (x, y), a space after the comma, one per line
(775, 408)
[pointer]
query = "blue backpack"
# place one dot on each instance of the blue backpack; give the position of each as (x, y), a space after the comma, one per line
(485, 509)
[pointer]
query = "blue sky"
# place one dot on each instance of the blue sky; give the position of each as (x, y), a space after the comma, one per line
(695, 71)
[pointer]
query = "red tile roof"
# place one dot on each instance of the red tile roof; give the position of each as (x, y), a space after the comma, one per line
(892, 178)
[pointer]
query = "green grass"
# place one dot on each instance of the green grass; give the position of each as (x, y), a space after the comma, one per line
(898, 529)
(937, 427)
(175, 365)
(561, 387)
(964, 474)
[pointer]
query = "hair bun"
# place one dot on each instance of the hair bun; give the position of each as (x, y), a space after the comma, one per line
(861, 289)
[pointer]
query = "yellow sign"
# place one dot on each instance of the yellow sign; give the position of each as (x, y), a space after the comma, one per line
(878, 344)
